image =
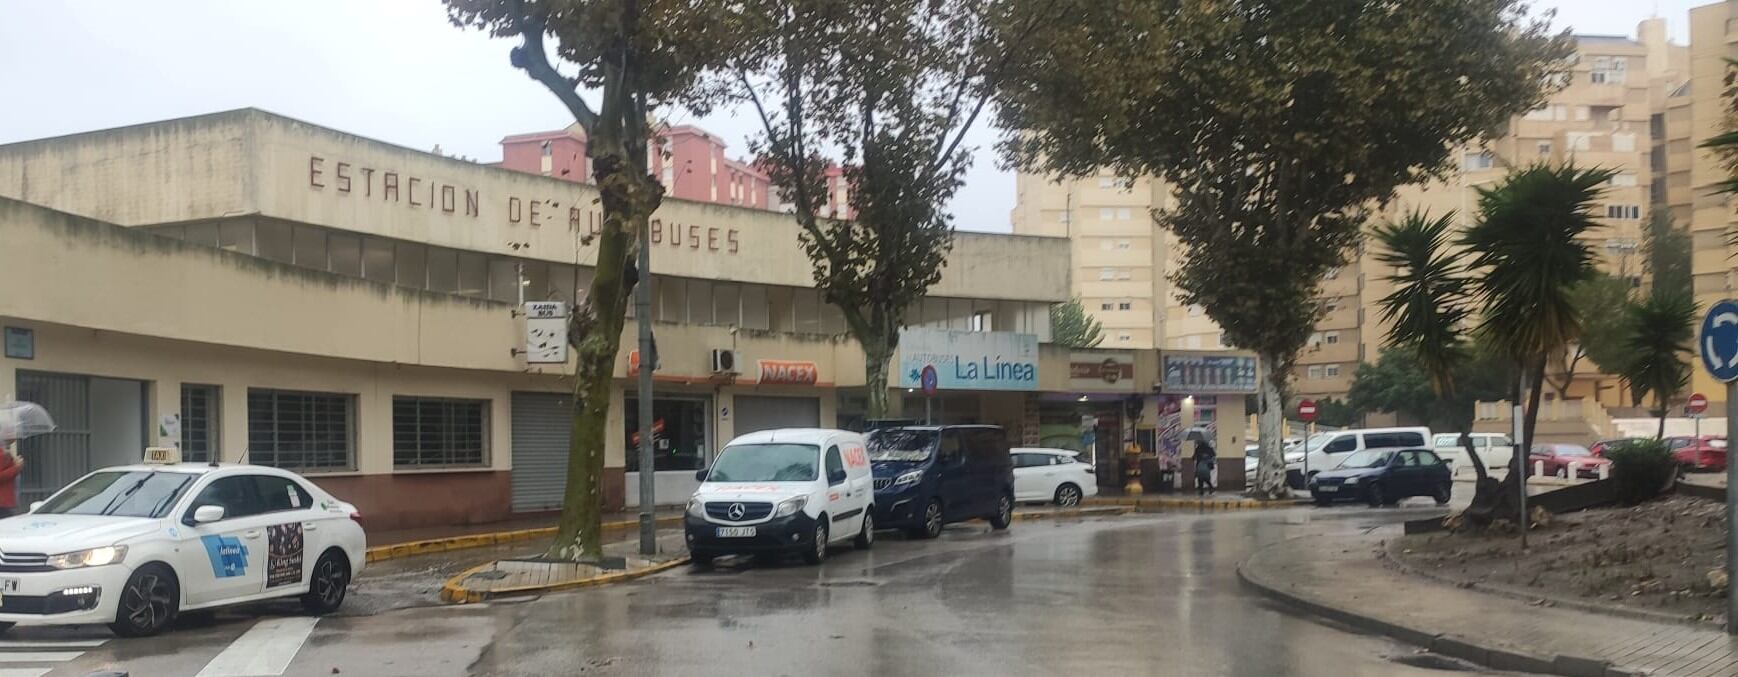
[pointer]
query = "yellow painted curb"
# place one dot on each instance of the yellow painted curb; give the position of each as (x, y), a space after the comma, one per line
(424, 547)
(452, 592)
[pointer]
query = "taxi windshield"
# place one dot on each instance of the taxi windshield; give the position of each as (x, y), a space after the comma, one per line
(766, 463)
(901, 445)
(138, 493)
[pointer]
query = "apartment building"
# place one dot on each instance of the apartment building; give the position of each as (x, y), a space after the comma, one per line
(688, 160)
(1704, 112)
(1119, 255)
(1622, 106)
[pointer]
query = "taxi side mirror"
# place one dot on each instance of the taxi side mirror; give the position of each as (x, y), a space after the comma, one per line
(36, 505)
(207, 514)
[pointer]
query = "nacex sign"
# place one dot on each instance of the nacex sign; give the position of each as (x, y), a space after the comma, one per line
(789, 372)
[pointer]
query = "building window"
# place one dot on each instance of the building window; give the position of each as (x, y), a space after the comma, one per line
(679, 434)
(434, 432)
(546, 150)
(1196, 311)
(1124, 214)
(1579, 141)
(1332, 370)
(300, 430)
(1331, 337)
(1624, 179)
(982, 321)
(1623, 143)
(1314, 372)
(1107, 274)
(1330, 306)
(1479, 160)
(1122, 244)
(1104, 306)
(1544, 147)
(1622, 211)
(1192, 342)
(1106, 244)
(1608, 70)
(1106, 213)
(1125, 305)
(1124, 275)
(1063, 217)
(199, 421)
(1124, 338)
(1105, 182)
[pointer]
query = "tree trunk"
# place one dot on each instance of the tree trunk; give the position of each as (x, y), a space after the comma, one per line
(1270, 472)
(624, 191)
(876, 355)
(1662, 431)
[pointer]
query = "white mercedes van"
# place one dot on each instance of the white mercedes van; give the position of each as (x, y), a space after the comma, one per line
(774, 492)
(1325, 451)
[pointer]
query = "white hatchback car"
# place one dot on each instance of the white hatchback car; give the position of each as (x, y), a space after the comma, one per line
(1052, 475)
(132, 546)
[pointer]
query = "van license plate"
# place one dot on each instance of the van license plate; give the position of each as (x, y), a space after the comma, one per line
(735, 532)
(8, 585)
(1328, 489)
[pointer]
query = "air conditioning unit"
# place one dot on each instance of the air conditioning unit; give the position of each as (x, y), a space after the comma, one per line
(723, 361)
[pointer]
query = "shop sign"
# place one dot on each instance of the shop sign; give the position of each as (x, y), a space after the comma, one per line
(968, 360)
(1100, 371)
(1195, 374)
(20, 343)
(789, 372)
(546, 332)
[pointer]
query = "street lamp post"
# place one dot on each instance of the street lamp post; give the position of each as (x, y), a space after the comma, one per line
(643, 314)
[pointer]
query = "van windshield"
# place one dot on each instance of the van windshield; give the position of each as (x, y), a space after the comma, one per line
(901, 445)
(766, 463)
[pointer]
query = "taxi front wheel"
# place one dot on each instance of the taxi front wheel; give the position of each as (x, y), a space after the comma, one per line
(148, 602)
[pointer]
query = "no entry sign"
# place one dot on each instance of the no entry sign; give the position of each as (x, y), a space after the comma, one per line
(1306, 410)
(1697, 404)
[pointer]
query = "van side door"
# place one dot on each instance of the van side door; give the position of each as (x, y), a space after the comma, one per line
(859, 477)
(842, 508)
(954, 478)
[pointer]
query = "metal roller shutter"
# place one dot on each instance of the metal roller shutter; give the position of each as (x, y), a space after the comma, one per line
(765, 413)
(540, 437)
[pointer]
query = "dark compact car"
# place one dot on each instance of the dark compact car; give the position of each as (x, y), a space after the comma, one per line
(927, 476)
(1383, 477)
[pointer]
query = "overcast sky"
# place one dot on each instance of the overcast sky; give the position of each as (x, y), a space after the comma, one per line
(394, 71)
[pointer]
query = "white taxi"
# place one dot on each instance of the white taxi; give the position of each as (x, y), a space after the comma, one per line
(132, 546)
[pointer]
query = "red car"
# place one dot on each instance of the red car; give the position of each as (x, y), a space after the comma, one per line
(1706, 453)
(1558, 457)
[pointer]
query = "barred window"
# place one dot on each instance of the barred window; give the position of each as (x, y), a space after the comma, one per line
(435, 432)
(199, 421)
(301, 431)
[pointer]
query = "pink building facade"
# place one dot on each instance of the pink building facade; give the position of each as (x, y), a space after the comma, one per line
(689, 161)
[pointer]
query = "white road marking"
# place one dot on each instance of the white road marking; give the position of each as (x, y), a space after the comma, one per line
(8, 645)
(264, 650)
(24, 672)
(39, 656)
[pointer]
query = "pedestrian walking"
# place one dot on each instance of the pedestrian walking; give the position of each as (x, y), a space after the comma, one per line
(10, 465)
(1205, 460)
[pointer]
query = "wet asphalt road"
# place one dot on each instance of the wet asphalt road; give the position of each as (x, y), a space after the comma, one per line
(1139, 594)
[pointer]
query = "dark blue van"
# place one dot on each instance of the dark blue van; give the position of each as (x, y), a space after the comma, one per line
(927, 476)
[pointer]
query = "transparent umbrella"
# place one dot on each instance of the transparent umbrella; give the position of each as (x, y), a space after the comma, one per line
(23, 420)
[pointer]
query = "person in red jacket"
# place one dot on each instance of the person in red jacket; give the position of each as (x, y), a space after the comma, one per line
(9, 467)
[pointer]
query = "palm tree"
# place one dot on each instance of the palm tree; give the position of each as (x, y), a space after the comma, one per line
(1427, 315)
(1529, 252)
(1661, 329)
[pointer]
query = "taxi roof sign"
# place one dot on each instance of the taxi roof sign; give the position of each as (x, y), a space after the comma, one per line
(162, 455)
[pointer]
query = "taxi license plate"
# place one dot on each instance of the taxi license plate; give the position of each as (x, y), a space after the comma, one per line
(735, 532)
(1328, 489)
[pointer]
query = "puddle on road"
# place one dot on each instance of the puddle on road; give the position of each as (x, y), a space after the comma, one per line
(849, 584)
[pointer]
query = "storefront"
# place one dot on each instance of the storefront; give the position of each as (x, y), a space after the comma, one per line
(1201, 389)
(1094, 409)
(955, 377)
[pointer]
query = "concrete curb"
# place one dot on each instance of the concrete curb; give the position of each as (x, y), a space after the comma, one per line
(452, 592)
(1099, 511)
(433, 545)
(1393, 557)
(1167, 503)
(1467, 649)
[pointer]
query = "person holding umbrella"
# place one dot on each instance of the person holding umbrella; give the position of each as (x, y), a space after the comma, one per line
(18, 421)
(1205, 460)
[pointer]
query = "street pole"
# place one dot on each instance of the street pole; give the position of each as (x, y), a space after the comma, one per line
(648, 473)
(1521, 455)
(1731, 512)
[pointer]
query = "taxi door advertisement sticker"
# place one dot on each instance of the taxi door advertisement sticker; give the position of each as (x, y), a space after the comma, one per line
(228, 555)
(284, 556)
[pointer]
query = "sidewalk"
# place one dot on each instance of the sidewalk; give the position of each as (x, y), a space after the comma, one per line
(542, 520)
(1341, 577)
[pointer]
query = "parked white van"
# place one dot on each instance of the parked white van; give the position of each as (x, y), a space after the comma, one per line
(782, 491)
(1496, 450)
(1325, 451)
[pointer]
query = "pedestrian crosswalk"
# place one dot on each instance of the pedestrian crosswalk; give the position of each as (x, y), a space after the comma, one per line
(35, 658)
(265, 649)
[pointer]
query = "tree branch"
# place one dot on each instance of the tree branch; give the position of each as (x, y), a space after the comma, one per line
(534, 60)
